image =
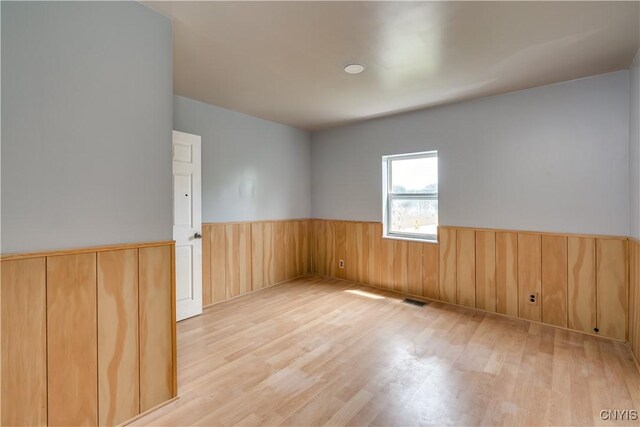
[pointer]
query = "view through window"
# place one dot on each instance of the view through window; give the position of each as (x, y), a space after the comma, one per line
(411, 195)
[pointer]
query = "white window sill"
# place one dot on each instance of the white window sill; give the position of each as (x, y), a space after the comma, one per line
(411, 239)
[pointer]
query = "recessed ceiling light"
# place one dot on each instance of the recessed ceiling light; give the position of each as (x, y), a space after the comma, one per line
(354, 68)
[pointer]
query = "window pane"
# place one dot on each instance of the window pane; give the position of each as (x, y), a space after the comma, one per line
(417, 216)
(415, 175)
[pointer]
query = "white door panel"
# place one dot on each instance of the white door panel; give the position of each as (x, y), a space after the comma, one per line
(187, 224)
(182, 196)
(184, 273)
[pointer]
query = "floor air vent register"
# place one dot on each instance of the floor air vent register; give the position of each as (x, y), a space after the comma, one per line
(414, 302)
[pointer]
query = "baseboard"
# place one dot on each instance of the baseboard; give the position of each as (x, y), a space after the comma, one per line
(148, 411)
(506, 316)
(256, 290)
(635, 358)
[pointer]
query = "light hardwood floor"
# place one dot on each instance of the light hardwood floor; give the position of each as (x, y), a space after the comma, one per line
(323, 351)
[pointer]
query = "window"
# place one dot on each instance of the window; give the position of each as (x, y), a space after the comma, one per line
(410, 188)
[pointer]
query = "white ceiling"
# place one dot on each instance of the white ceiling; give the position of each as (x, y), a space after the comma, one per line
(283, 61)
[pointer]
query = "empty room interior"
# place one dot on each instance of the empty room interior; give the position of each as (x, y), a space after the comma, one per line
(320, 213)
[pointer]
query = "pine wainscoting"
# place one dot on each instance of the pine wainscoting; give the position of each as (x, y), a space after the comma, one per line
(578, 282)
(634, 297)
(240, 257)
(88, 335)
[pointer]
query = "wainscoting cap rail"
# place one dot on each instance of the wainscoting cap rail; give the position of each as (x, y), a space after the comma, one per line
(56, 252)
(546, 233)
(497, 230)
(256, 221)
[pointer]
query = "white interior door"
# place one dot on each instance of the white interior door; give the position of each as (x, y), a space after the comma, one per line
(187, 224)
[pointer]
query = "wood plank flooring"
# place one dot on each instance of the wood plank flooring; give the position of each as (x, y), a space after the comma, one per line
(324, 351)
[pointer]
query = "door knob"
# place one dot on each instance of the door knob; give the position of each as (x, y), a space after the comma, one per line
(197, 236)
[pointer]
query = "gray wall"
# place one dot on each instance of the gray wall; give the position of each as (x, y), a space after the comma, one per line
(86, 124)
(252, 169)
(86, 146)
(553, 158)
(634, 147)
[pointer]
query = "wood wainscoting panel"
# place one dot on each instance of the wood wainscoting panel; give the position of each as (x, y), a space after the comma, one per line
(466, 267)
(351, 251)
(303, 248)
(24, 342)
(311, 236)
(529, 276)
(430, 253)
(507, 273)
(232, 260)
(447, 265)
(634, 297)
(247, 256)
(554, 280)
(340, 230)
(414, 268)
(291, 260)
(296, 249)
(88, 334)
(244, 258)
(156, 321)
(362, 252)
(375, 248)
(72, 342)
(218, 263)
(238, 259)
(207, 296)
(259, 256)
(118, 353)
(486, 270)
(399, 266)
(611, 285)
(320, 233)
(331, 261)
(279, 251)
(387, 251)
(263, 271)
(581, 289)
(320, 246)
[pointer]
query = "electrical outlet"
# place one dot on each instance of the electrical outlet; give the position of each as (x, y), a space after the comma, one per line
(533, 298)
(341, 263)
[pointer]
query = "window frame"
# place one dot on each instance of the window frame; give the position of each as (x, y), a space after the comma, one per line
(388, 196)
